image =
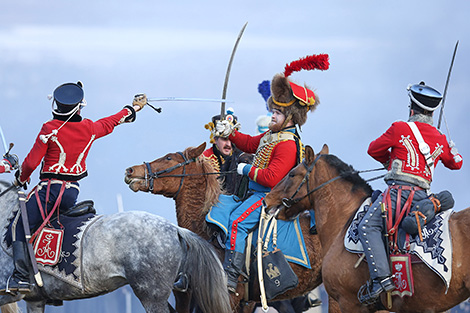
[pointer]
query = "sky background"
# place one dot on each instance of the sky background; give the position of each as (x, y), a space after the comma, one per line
(182, 48)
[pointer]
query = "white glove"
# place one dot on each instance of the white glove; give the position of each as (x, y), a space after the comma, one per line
(240, 168)
(455, 152)
(140, 100)
(223, 128)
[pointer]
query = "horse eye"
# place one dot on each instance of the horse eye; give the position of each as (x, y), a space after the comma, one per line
(291, 174)
(168, 158)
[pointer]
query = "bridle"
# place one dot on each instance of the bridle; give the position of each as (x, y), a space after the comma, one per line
(288, 202)
(151, 176)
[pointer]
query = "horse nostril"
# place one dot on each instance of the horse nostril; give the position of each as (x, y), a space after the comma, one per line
(129, 171)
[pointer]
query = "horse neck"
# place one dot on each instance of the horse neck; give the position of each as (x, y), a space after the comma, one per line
(334, 204)
(191, 205)
(8, 203)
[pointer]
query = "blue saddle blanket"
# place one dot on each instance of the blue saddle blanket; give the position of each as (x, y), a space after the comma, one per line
(290, 239)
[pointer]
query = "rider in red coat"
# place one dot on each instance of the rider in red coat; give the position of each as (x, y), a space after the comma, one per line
(410, 151)
(276, 152)
(397, 149)
(225, 156)
(61, 147)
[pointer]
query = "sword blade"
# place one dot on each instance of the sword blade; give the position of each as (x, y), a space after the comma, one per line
(227, 74)
(24, 218)
(3, 140)
(186, 99)
(447, 84)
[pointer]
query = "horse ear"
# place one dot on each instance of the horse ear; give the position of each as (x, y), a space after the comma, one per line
(309, 154)
(195, 152)
(325, 149)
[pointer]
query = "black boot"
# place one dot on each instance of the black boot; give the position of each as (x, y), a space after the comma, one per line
(233, 266)
(182, 283)
(20, 280)
(313, 230)
(370, 292)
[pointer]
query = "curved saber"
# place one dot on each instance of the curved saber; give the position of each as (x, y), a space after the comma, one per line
(227, 74)
(447, 84)
(3, 140)
(186, 99)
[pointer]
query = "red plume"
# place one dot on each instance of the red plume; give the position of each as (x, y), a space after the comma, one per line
(311, 62)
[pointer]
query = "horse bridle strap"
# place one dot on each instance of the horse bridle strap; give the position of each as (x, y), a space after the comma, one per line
(288, 202)
(150, 176)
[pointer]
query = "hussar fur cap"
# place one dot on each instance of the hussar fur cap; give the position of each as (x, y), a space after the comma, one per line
(293, 100)
(281, 92)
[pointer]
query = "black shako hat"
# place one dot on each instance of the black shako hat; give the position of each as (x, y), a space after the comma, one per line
(424, 96)
(67, 96)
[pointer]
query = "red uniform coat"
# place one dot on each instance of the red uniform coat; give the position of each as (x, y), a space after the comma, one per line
(273, 160)
(398, 142)
(2, 168)
(209, 153)
(64, 155)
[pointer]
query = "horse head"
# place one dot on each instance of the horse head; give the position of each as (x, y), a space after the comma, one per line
(164, 175)
(293, 193)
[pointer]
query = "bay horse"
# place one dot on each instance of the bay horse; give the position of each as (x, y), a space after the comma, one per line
(335, 191)
(136, 248)
(186, 177)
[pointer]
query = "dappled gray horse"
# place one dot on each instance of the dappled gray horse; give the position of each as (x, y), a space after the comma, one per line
(136, 248)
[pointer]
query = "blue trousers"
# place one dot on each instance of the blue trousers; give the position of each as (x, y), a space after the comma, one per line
(69, 198)
(371, 230)
(242, 220)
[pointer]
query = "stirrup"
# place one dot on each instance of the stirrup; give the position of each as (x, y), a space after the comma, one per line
(19, 289)
(6, 290)
(366, 294)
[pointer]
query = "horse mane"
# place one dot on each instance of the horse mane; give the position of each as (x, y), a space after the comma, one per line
(348, 173)
(213, 186)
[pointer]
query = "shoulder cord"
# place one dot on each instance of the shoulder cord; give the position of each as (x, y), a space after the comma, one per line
(423, 147)
(45, 138)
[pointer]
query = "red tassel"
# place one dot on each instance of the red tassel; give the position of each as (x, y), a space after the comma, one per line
(311, 62)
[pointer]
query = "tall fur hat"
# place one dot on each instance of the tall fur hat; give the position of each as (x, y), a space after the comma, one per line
(293, 100)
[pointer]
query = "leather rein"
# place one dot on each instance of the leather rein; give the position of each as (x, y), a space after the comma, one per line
(288, 202)
(151, 176)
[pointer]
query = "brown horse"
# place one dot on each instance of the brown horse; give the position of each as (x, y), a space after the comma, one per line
(186, 178)
(335, 191)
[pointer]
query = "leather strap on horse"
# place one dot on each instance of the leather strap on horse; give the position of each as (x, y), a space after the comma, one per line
(419, 214)
(43, 211)
(437, 208)
(436, 203)
(400, 212)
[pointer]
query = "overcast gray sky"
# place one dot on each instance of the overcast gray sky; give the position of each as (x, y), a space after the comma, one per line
(182, 48)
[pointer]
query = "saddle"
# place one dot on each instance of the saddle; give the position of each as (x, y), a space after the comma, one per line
(79, 209)
(430, 245)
